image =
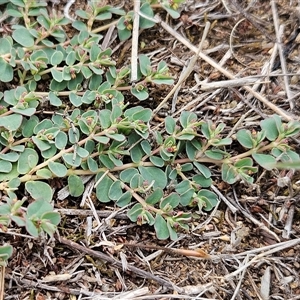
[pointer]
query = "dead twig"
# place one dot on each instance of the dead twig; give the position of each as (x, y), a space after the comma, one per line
(135, 41)
(115, 262)
(88, 212)
(2, 276)
(279, 32)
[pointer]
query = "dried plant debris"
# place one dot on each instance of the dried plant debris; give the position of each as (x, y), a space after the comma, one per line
(149, 149)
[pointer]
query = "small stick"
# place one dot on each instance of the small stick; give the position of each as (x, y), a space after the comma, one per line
(2, 276)
(230, 83)
(135, 41)
(115, 262)
(185, 252)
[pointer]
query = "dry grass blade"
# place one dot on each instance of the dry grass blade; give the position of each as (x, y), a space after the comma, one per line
(273, 248)
(266, 284)
(279, 31)
(135, 41)
(2, 276)
(214, 64)
(186, 72)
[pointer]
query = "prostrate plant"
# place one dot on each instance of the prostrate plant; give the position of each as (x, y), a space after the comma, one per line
(82, 126)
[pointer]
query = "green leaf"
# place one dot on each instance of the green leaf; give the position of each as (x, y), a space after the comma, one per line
(70, 59)
(57, 169)
(102, 187)
(154, 174)
(183, 186)
(71, 160)
(127, 174)
(106, 161)
(31, 228)
(56, 58)
(124, 199)
(270, 126)
(162, 79)
(155, 197)
(5, 46)
(215, 154)
(285, 156)
(5, 166)
(170, 124)
(82, 152)
(24, 111)
(266, 161)
(146, 147)
(205, 171)
(135, 212)
(44, 173)
(11, 122)
(7, 72)
(173, 234)
(145, 64)
(187, 167)
(57, 75)
(144, 115)
(210, 199)
(27, 161)
(79, 25)
(11, 156)
(141, 94)
(75, 99)
(101, 139)
(86, 72)
(104, 117)
(171, 201)
(288, 165)
(202, 181)
(28, 126)
(147, 10)
(221, 142)
(229, 174)
(92, 165)
(186, 197)
(244, 162)
(187, 118)
(161, 228)
(157, 161)
(115, 190)
(173, 13)
(76, 186)
(116, 136)
(136, 181)
(39, 190)
(52, 217)
(23, 37)
(61, 140)
(48, 227)
(245, 138)
(37, 208)
(6, 252)
(42, 145)
(11, 175)
(136, 153)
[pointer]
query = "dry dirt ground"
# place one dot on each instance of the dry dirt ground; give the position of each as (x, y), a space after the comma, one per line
(253, 236)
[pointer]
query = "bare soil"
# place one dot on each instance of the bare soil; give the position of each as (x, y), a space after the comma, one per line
(254, 244)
